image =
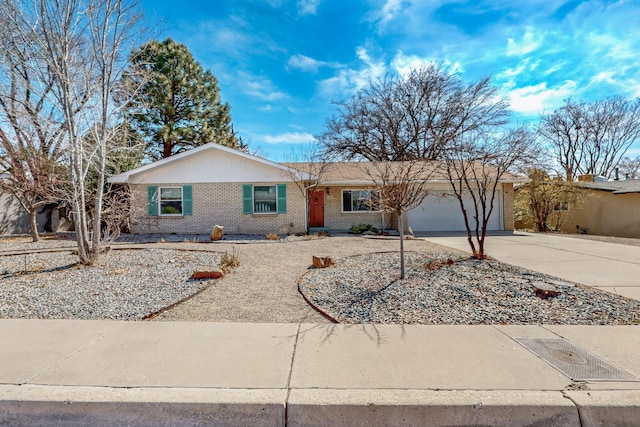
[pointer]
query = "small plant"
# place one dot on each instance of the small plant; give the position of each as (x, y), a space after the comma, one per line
(273, 236)
(230, 260)
(360, 228)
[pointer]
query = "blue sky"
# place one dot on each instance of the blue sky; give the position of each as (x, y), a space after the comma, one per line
(281, 64)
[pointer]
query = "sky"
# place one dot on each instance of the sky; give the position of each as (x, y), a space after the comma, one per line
(283, 64)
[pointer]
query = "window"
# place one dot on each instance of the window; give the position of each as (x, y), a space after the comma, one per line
(562, 206)
(170, 200)
(264, 199)
(359, 200)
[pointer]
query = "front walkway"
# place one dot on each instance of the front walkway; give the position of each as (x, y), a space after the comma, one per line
(608, 266)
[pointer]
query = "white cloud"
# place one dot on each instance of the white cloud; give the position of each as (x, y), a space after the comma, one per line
(348, 81)
(389, 10)
(308, 7)
(260, 88)
(403, 64)
(604, 76)
(527, 44)
(305, 63)
(510, 73)
(289, 138)
(531, 100)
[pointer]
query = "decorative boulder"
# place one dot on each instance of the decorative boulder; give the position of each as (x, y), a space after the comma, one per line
(207, 272)
(322, 262)
(217, 232)
(544, 290)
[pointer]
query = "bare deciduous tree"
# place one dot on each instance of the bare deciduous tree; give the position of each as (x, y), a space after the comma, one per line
(31, 133)
(400, 187)
(591, 138)
(82, 45)
(413, 117)
(629, 168)
(544, 200)
(475, 167)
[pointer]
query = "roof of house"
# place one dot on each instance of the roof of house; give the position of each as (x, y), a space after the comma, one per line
(616, 187)
(338, 173)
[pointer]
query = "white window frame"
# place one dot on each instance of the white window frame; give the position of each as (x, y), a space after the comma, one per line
(160, 213)
(371, 209)
(255, 203)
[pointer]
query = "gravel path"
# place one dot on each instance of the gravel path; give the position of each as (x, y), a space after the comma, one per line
(465, 291)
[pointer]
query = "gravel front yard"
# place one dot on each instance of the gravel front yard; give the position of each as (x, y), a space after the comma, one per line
(367, 289)
(124, 285)
(130, 284)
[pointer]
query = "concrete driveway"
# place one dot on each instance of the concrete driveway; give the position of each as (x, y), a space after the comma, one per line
(612, 267)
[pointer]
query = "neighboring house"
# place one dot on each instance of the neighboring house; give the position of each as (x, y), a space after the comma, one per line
(610, 208)
(212, 184)
(15, 220)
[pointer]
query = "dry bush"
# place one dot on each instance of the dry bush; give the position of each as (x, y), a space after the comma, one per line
(230, 260)
(273, 236)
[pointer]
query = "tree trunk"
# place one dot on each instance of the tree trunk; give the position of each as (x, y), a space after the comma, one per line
(33, 224)
(401, 231)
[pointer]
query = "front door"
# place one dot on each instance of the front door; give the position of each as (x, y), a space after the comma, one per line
(316, 208)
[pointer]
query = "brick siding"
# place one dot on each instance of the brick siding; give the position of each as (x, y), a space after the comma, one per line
(508, 213)
(220, 204)
(336, 220)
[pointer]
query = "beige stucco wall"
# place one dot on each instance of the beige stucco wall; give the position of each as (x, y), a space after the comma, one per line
(606, 214)
(335, 219)
(220, 204)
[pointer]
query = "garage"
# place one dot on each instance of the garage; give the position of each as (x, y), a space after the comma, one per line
(440, 211)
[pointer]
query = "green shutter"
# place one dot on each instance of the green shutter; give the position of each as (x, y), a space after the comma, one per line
(247, 198)
(282, 198)
(187, 205)
(152, 200)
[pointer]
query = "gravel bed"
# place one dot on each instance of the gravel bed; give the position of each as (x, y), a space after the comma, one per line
(202, 238)
(367, 289)
(18, 244)
(67, 240)
(124, 285)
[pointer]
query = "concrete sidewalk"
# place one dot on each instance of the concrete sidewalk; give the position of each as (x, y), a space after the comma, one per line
(63, 372)
(608, 266)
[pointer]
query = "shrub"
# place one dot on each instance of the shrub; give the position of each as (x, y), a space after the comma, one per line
(273, 236)
(230, 260)
(360, 228)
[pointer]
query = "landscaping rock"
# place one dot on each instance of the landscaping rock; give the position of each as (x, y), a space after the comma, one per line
(217, 233)
(322, 262)
(207, 272)
(544, 290)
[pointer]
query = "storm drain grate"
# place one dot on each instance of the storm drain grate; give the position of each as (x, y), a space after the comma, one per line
(573, 361)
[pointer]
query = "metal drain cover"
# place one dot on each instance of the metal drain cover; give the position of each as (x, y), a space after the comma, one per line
(573, 361)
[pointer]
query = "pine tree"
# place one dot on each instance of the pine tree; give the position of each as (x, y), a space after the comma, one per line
(178, 106)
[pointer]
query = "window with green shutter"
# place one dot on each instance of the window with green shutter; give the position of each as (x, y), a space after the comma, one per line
(264, 199)
(187, 205)
(247, 198)
(282, 198)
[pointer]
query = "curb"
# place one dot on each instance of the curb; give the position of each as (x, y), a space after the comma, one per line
(28, 405)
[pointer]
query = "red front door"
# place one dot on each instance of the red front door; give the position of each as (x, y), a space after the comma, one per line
(316, 208)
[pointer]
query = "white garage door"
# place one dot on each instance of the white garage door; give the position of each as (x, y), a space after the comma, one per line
(440, 211)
